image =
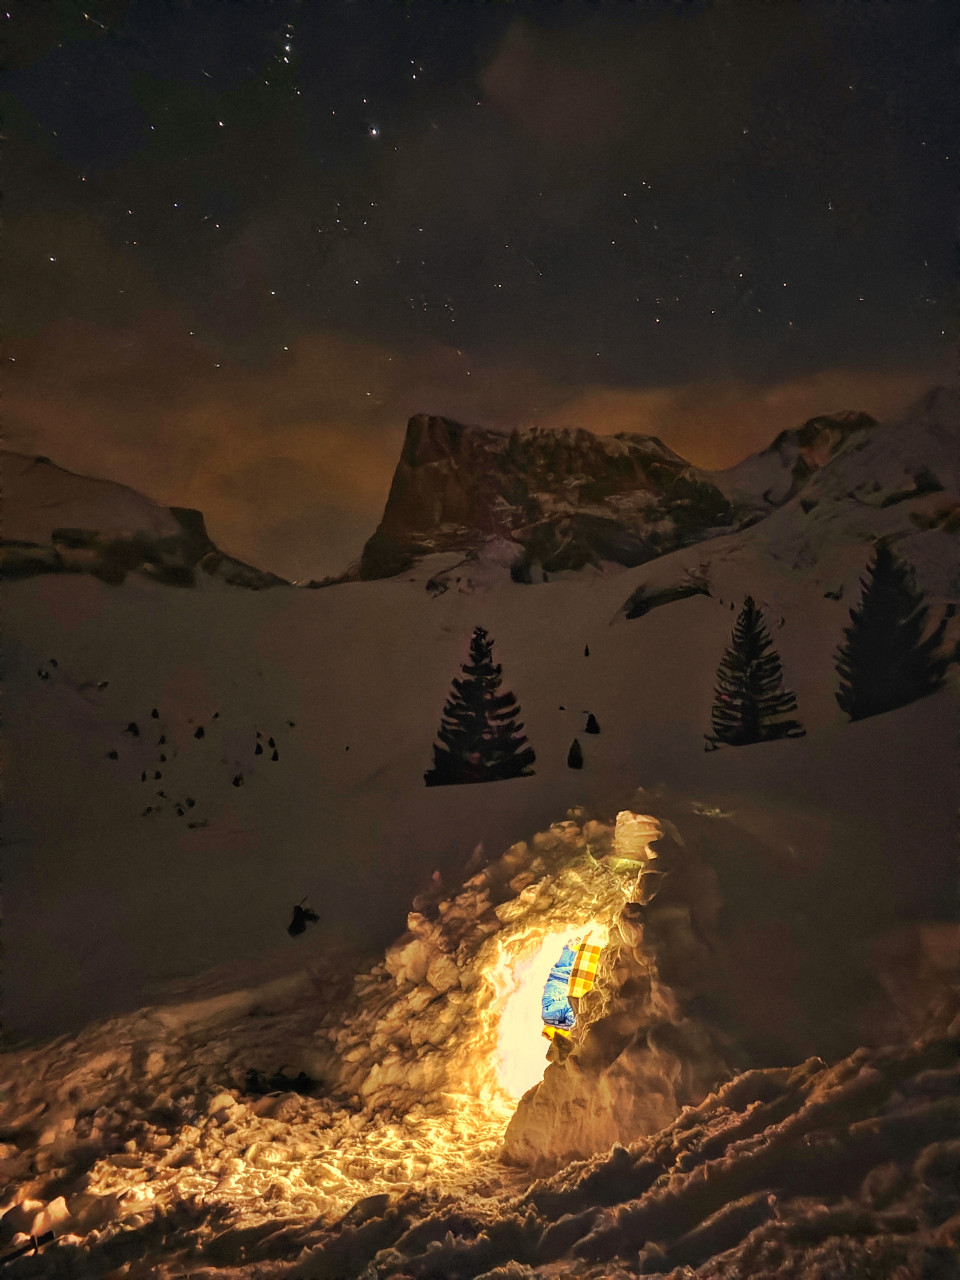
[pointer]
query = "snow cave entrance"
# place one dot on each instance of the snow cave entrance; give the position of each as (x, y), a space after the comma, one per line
(511, 1052)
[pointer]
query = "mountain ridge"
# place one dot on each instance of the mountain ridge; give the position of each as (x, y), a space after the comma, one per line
(58, 521)
(565, 498)
(530, 502)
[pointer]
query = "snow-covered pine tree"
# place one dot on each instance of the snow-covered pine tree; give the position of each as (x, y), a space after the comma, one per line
(750, 702)
(480, 738)
(885, 662)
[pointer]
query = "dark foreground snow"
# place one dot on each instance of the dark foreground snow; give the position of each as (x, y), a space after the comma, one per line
(812, 1171)
(145, 1146)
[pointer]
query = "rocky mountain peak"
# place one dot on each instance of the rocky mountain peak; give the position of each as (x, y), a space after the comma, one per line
(563, 498)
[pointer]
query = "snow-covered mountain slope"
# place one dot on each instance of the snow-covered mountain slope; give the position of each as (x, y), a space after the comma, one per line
(769, 478)
(55, 521)
(559, 499)
(116, 878)
(103, 898)
(898, 480)
(182, 767)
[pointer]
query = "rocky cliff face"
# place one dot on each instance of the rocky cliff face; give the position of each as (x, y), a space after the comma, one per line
(557, 499)
(59, 522)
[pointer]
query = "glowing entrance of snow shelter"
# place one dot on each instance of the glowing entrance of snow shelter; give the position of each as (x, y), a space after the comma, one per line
(521, 1047)
(444, 1038)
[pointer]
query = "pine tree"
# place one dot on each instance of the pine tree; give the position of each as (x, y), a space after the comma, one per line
(480, 738)
(885, 662)
(575, 755)
(751, 702)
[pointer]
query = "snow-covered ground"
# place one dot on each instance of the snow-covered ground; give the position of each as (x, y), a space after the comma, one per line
(104, 900)
(145, 916)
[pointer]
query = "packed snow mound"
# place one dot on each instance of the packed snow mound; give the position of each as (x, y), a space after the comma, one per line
(59, 522)
(719, 952)
(564, 499)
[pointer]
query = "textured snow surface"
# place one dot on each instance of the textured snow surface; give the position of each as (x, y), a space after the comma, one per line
(144, 1146)
(135, 1145)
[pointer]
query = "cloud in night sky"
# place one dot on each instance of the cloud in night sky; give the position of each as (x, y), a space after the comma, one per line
(234, 271)
(291, 462)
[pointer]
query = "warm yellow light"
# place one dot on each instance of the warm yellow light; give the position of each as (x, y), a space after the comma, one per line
(518, 976)
(521, 1045)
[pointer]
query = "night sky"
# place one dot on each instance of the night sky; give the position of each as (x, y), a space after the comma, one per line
(245, 241)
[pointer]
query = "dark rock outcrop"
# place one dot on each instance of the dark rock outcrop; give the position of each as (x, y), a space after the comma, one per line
(564, 499)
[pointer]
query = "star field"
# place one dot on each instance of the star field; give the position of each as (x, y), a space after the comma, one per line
(502, 206)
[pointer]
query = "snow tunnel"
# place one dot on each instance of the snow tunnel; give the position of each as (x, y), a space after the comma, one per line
(450, 1023)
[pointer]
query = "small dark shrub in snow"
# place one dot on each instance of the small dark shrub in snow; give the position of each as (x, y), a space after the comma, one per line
(575, 756)
(592, 725)
(750, 702)
(480, 738)
(303, 914)
(885, 662)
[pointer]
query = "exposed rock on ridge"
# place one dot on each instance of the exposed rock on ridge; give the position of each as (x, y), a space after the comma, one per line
(776, 474)
(563, 499)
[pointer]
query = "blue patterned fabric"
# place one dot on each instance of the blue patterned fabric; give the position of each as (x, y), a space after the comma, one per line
(556, 1010)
